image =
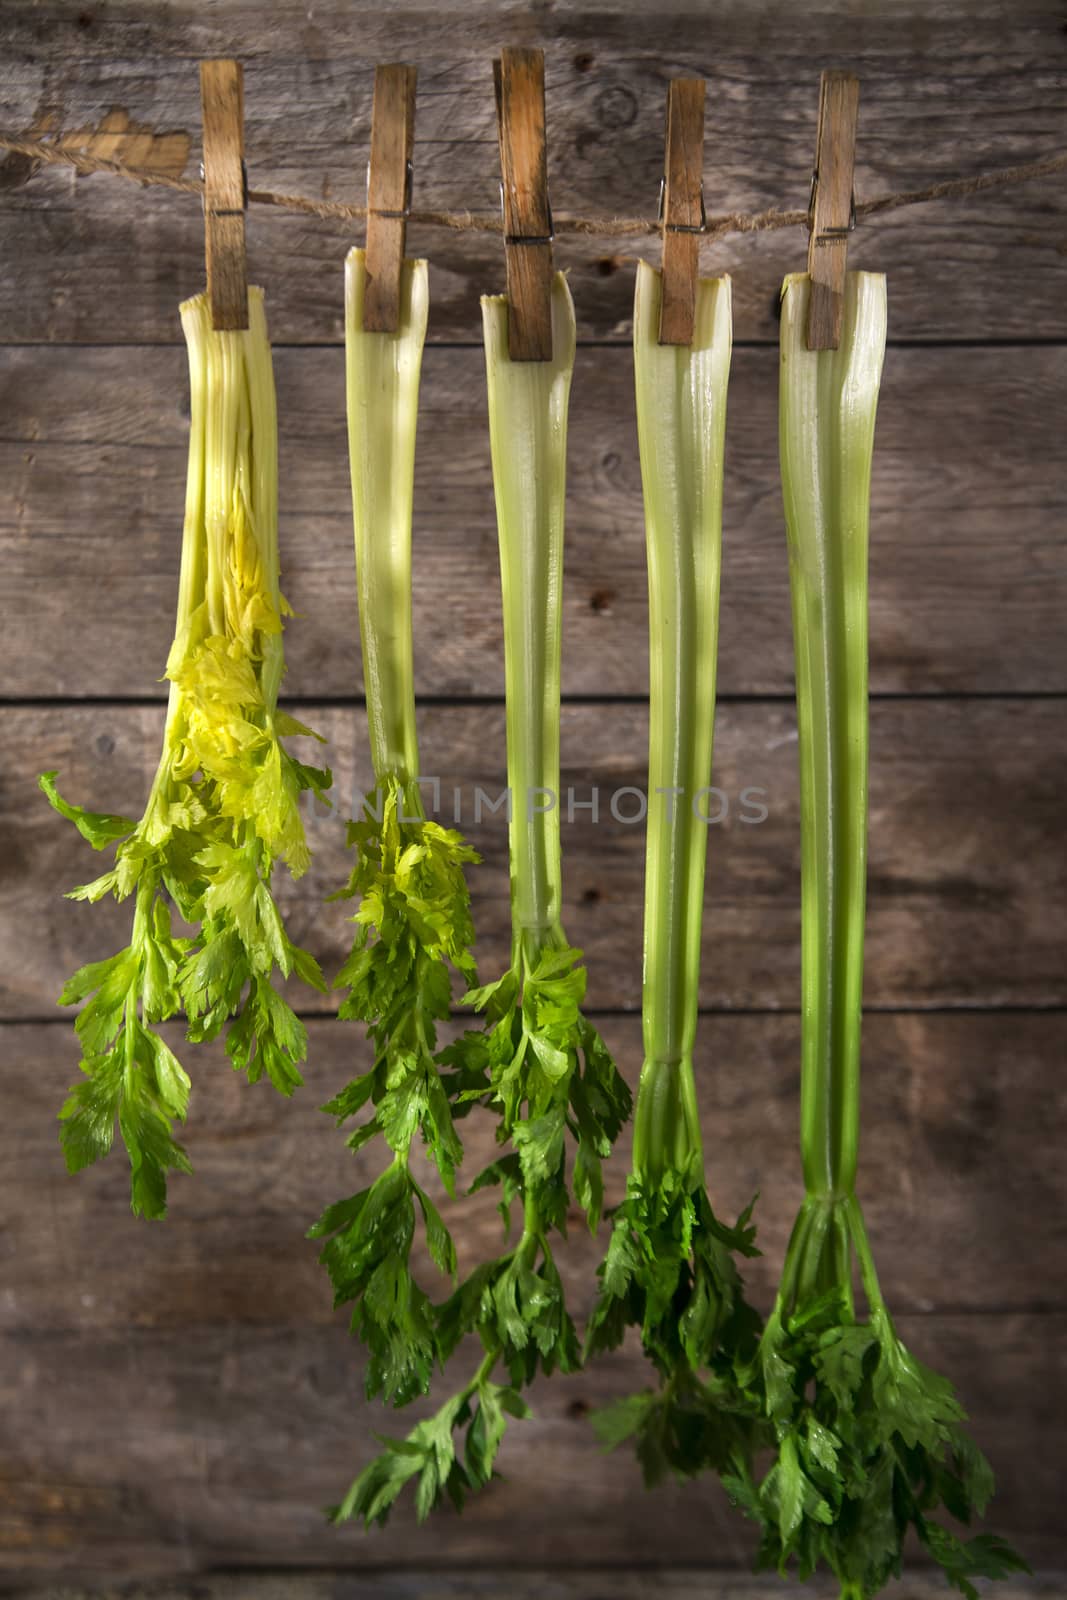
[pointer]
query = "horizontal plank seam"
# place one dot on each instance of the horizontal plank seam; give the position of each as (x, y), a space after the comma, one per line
(130, 1331)
(190, 1582)
(179, 1588)
(1037, 1008)
(446, 701)
(459, 1568)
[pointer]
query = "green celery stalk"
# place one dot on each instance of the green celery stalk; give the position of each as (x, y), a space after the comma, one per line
(681, 428)
(383, 372)
(413, 921)
(869, 1441)
(669, 1268)
(528, 436)
(222, 807)
(827, 404)
(547, 1068)
(538, 1063)
(826, 424)
(528, 404)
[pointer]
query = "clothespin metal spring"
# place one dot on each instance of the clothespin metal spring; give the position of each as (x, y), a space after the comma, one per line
(825, 235)
(681, 227)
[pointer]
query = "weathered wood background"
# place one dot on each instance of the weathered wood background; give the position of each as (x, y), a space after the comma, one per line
(179, 1400)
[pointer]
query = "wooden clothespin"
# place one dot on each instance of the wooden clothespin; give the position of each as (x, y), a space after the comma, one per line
(519, 76)
(225, 192)
(682, 209)
(392, 142)
(832, 211)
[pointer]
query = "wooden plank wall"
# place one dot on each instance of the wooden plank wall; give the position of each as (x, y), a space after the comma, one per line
(179, 1400)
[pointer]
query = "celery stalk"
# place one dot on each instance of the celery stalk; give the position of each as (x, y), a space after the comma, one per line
(869, 1442)
(413, 922)
(528, 437)
(669, 1267)
(383, 373)
(222, 806)
(827, 407)
(681, 426)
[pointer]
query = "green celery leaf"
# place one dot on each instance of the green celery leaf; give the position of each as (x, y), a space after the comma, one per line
(100, 828)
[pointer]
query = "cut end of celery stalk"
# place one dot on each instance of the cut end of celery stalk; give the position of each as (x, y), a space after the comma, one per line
(863, 327)
(414, 296)
(712, 322)
(564, 333)
(198, 303)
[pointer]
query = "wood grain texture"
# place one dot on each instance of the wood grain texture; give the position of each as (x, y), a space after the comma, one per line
(955, 916)
(961, 1135)
(519, 80)
(831, 208)
(968, 575)
(159, 1451)
(697, 1583)
(222, 102)
(953, 92)
(392, 146)
(682, 209)
(183, 1397)
(178, 1400)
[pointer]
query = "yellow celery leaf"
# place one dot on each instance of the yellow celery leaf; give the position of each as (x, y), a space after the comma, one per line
(410, 857)
(296, 854)
(219, 670)
(185, 810)
(255, 614)
(284, 724)
(223, 743)
(95, 890)
(183, 759)
(190, 633)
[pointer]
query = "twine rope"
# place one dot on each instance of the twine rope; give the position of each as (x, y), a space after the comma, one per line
(718, 227)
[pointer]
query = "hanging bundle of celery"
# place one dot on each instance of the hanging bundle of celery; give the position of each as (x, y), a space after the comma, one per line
(669, 1268)
(222, 807)
(869, 1441)
(413, 923)
(538, 1064)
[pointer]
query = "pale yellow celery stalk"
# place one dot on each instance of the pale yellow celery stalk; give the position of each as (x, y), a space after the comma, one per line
(264, 484)
(223, 804)
(223, 458)
(192, 581)
(228, 661)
